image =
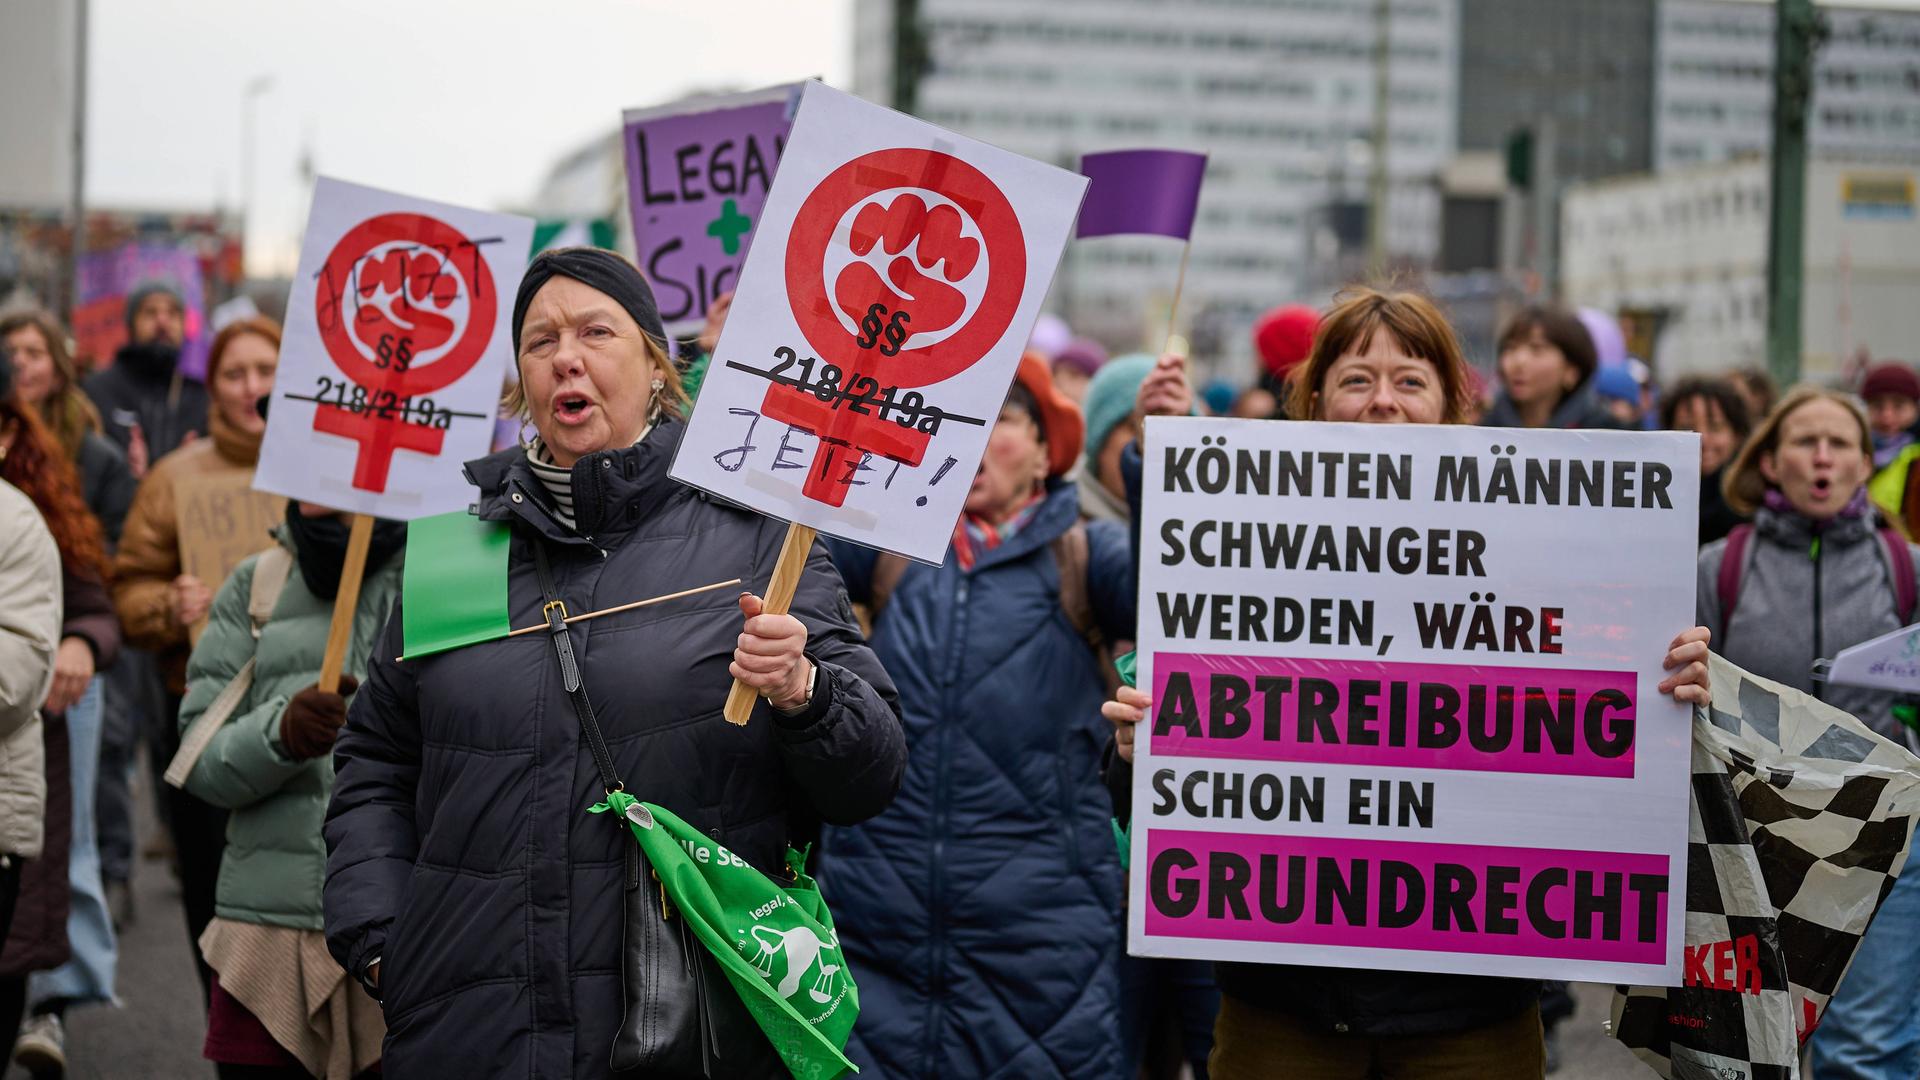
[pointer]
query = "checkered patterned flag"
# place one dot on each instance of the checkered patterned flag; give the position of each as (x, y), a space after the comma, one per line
(1800, 822)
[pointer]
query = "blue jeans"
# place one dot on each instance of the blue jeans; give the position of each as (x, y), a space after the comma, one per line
(88, 976)
(1871, 1030)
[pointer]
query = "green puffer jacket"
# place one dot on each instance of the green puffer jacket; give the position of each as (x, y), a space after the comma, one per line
(275, 861)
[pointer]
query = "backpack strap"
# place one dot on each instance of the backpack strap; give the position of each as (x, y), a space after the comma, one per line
(270, 573)
(1733, 561)
(1900, 563)
(271, 569)
(888, 569)
(1071, 555)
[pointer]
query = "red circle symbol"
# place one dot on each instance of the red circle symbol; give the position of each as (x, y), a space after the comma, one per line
(383, 300)
(920, 289)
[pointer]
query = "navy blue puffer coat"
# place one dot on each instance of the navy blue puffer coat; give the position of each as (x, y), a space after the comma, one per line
(981, 912)
(460, 850)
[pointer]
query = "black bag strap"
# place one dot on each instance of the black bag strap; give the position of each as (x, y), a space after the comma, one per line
(554, 610)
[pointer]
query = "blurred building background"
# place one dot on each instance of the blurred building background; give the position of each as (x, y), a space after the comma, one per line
(1525, 148)
(1682, 256)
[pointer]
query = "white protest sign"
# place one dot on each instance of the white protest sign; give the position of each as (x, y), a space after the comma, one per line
(895, 273)
(1405, 711)
(1888, 662)
(395, 346)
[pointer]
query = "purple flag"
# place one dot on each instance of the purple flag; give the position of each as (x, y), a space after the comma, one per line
(1141, 191)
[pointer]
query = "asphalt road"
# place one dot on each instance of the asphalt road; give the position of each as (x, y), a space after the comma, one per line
(157, 1029)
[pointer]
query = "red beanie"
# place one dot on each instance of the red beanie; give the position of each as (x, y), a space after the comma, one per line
(1891, 378)
(1284, 337)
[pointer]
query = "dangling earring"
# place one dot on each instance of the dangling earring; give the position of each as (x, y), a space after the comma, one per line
(653, 409)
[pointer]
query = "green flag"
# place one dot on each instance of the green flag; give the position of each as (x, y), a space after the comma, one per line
(453, 591)
(776, 944)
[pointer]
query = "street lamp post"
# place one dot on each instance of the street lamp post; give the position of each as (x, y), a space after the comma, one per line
(255, 87)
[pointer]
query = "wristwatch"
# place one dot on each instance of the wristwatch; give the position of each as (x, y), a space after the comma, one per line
(806, 699)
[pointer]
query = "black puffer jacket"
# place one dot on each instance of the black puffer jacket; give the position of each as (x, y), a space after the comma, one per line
(460, 850)
(140, 387)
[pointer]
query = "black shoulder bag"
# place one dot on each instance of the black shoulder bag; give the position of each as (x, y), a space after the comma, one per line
(681, 1014)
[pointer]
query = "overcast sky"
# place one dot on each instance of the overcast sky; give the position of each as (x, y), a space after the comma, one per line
(463, 101)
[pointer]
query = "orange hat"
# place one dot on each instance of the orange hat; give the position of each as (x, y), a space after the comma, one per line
(1060, 418)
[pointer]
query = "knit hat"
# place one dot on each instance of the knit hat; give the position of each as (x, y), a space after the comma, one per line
(1617, 382)
(1218, 396)
(1109, 400)
(145, 289)
(596, 268)
(1893, 379)
(1083, 355)
(1284, 337)
(1058, 417)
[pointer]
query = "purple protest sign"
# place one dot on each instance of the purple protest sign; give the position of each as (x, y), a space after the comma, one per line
(697, 175)
(106, 278)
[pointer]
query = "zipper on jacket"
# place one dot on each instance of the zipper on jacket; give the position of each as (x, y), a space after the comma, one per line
(936, 871)
(1819, 645)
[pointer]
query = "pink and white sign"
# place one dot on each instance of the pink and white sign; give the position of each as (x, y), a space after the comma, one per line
(1405, 698)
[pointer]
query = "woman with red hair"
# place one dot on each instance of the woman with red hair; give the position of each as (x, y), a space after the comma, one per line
(32, 460)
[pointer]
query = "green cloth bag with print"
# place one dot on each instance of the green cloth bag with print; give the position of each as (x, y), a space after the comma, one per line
(776, 943)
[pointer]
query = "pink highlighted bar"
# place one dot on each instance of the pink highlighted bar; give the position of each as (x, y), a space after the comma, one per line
(1374, 713)
(1386, 894)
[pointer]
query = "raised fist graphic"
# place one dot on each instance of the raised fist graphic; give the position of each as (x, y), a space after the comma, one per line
(401, 293)
(915, 296)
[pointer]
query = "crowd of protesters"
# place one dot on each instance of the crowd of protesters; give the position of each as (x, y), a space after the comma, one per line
(954, 740)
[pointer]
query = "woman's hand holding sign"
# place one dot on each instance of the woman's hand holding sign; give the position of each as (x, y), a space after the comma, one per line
(1128, 707)
(771, 656)
(1687, 659)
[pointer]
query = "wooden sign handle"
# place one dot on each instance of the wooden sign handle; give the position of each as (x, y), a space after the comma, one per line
(786, 579)
(345, 601)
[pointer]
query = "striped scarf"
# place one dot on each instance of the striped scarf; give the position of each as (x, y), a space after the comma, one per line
(973, 535)
(557, 479)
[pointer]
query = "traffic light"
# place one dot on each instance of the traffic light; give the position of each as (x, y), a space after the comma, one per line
(1520, 158)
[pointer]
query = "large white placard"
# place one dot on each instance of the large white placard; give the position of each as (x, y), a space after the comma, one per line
(1405, 709)
(895, 273)
(395, 347)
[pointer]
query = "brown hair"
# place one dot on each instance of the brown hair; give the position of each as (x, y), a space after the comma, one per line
(1562, 329)
(1720, 392)
(1743, 485)
(67, 412)
(672, 394)
(1414, 322)
(35, 465)
(253, 324)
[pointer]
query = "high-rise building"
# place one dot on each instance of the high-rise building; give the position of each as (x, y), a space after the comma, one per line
(1280, 93)
(1587, 66)
(1714, 83)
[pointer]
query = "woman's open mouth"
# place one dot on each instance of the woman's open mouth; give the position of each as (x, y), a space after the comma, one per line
(572, 408)
(1822, 487)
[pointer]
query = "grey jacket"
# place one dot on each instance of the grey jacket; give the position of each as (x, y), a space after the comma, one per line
(1794, 608)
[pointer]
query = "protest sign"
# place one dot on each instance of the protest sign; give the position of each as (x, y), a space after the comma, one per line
(396, 343)
(221, 520)
(1802, 820)
(107, 278)
(1404, 698)
(1888, 662)
(896, 272)
(698, 173)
